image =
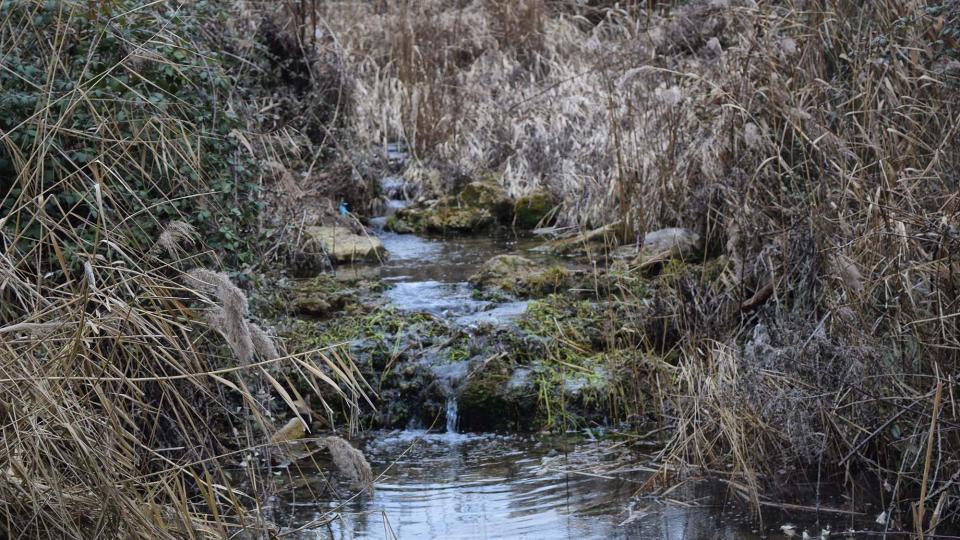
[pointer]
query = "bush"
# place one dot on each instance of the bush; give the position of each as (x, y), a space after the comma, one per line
(108, 108)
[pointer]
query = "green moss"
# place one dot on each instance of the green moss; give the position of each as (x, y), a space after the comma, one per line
(487, 196)
(522, 277)
(405, 221)
(551, 280)
(557, 316)
(487, 401)
(440, 220)
(530, 210)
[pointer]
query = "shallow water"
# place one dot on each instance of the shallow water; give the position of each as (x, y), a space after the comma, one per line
(429, 274)
(458, 486)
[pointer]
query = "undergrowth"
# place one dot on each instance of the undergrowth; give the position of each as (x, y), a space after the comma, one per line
(133, 380)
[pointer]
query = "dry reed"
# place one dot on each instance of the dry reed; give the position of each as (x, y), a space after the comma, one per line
(811, 144)
(118, 401)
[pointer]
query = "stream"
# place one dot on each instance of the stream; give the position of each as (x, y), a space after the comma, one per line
(440, 483)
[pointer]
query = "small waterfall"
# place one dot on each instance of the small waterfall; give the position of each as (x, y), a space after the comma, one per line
(452, 414)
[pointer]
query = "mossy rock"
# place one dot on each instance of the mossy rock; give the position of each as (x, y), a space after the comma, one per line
(530, 210)
(320, 297)
(405, 221)
(462, 220)
(490, 197)
(522, 277)
(440, 219)
(488, 402)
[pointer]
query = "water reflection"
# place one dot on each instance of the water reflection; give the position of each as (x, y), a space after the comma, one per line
(461, 486)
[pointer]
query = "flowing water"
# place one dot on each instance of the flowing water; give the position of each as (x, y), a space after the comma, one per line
(449, 485)
(485, 486)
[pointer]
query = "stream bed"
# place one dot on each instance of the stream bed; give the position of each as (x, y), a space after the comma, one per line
(439, 483)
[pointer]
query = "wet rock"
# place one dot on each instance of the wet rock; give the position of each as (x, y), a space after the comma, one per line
(341, 245)
(488, 402)
(531, 210)
(521, 276)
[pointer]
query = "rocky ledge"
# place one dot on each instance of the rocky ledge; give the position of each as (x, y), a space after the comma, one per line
(479, 207)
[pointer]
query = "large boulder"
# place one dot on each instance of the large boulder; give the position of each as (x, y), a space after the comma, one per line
(344, 246)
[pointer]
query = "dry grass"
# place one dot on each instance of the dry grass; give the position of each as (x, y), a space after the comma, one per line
(813, 144)
(124, 399)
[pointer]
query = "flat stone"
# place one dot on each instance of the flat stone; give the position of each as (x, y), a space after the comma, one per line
(343, 246)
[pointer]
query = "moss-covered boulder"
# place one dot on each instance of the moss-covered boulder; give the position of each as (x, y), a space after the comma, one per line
(342, 245)
(406, 220)
(479, 206)
(533, 209)
(522, 277)
(490, 401)
(460, 220)
(440, 219)
(487, 196)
